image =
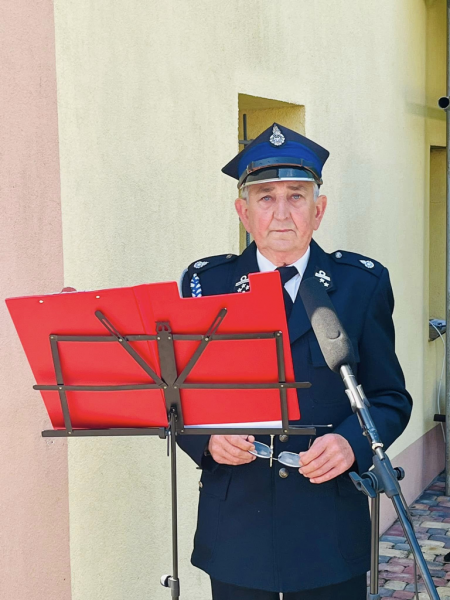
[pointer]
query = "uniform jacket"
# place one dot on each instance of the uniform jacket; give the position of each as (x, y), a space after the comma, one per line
(258, 530)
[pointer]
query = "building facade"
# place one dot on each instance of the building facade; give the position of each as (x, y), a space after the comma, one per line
(119, 118)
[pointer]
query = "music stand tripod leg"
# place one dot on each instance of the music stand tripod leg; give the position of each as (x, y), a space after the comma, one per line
(172, 581)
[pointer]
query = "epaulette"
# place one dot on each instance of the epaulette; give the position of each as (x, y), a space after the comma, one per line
(357, 260)
(200, 266)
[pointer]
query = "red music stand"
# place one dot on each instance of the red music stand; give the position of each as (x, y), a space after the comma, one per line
(143, 361)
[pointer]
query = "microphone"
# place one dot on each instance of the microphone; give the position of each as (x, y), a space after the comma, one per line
(333, 340)
(337, 350)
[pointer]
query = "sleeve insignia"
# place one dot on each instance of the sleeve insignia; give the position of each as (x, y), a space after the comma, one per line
(200, 263)
(196, 288)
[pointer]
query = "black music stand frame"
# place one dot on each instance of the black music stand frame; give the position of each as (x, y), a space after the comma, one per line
(171, 382)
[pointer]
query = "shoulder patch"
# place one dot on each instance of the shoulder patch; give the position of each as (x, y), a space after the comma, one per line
(202, 265)
(357, 260)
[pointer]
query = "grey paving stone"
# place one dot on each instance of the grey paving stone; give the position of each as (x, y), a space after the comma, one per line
(402, 547)
(411, 587)
(394, 539)
(384, 559)
(441, 538)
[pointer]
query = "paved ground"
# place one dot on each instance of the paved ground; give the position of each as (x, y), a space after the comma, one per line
(431, 514)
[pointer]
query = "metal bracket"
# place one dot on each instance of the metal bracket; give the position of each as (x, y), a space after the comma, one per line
(164, 339)
(174, 584)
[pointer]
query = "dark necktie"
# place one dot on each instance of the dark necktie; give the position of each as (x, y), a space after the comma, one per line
(286, 274)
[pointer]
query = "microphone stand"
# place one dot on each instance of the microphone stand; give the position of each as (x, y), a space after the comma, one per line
(384, 478)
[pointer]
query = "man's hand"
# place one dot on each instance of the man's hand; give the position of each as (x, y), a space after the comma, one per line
(231, 449)
(329, 456)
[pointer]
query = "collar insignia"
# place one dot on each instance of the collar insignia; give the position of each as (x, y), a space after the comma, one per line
(367, 263)
(200, 263)
(243, 285)
(277, 138)
(323, 278)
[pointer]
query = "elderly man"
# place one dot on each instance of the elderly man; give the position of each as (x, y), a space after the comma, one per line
(304, 532)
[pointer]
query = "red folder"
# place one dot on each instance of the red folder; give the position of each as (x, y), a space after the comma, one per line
(135, 311)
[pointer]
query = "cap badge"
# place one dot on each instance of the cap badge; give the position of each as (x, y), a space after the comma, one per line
(367, 263)
(277, 138)
(200, 263)
(323, 278)
(243, 285)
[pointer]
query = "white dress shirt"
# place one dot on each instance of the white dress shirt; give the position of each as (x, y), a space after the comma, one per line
(293, 284)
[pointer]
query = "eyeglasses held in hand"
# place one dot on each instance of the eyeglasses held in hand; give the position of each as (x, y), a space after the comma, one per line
(290, 459)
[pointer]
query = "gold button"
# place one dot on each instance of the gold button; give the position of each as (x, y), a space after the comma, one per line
(283, 473)
(200, 484)
(283, 437)
(229, 256)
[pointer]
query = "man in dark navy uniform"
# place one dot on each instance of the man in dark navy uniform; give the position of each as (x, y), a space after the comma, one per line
(304, 532)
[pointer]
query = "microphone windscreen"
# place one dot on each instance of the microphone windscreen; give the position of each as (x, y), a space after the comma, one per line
(333, 340)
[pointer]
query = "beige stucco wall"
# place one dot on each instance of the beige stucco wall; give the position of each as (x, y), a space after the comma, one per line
(435, 208)
(437, 232)
(435, 352)
(34, 514)
(148, 115)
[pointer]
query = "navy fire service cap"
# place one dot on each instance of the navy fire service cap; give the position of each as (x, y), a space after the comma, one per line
(278, 153)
